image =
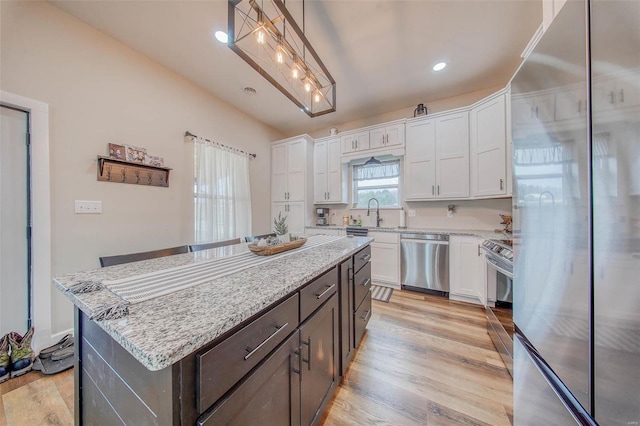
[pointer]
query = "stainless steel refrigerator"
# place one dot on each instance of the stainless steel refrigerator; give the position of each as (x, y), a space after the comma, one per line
(575, 111)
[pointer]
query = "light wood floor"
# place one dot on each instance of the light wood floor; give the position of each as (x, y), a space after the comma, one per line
(424, 361)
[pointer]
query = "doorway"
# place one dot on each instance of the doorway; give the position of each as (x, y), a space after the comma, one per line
(15, 221)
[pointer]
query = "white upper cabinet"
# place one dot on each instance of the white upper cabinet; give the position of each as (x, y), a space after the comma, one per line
(288, 164)
(420, 160)
(533, 109)
(488, 148)
(452, 155)
(329, 175)
(570, 103)
(355, 142)
(291, 181)
(437, 157)
(383, 136)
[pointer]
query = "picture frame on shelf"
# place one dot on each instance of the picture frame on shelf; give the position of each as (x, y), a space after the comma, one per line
(153, 160)
(135, 154)
(117, 151)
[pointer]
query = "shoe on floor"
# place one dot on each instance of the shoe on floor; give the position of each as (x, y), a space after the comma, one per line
(65, 342)
(21, 353)
(5, 359)
(63, 353)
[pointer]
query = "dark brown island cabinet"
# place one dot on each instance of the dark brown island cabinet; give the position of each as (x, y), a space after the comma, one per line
(280, 367)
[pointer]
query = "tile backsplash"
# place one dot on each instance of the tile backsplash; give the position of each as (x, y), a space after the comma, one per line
(469, 214)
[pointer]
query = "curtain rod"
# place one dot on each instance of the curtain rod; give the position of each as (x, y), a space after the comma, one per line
(191, 135)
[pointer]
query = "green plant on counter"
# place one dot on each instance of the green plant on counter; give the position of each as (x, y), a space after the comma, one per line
(280, 225)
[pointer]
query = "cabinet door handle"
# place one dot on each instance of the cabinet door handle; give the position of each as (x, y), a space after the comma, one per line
(366, 316)
(537, 112)
(365, 282)
(264, 342)
(478, 249)
(501, 184)
(622, 95)
(328, 195)
(438, 189)
(532, 110)
(366, 257)
(356, 143)
(308, 360)
(612, 99)
(433, 190)
(319, 296)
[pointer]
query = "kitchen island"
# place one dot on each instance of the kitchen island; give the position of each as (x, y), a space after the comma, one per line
(276, 336)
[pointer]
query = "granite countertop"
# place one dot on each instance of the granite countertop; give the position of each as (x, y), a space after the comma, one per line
(482, 233)
(162, 331)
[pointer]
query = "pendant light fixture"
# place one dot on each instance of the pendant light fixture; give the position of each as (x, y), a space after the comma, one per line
(265, 35)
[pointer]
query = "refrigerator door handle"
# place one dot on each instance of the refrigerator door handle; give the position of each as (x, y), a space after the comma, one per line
(578, 412)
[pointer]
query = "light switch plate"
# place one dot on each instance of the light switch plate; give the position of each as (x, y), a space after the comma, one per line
(88, 207)
(412, 213)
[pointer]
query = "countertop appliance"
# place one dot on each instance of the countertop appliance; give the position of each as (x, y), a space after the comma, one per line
(576, 162)
(499, 307)
(322, 216)
(424, 260)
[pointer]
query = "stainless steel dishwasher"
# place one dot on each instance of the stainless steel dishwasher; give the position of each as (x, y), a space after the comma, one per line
(425, 263)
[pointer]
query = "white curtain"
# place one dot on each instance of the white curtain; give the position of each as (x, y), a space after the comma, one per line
(221, 192)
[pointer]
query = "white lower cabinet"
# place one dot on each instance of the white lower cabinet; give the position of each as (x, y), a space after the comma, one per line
(467, 272)
(385, 259)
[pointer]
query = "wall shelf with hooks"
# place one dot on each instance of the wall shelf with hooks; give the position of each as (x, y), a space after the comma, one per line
(120, 171)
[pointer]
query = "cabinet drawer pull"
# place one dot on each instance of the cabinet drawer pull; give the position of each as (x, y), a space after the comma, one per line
(366, 257)
(264, 342)
(501, 184)
(319, 296)
(365, 282)
(308, 360)
(367, 315)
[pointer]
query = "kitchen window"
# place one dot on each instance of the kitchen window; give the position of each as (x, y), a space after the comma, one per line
(221, 193)
(380, 181)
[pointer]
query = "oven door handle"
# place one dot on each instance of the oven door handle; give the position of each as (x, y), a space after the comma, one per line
(494, 264)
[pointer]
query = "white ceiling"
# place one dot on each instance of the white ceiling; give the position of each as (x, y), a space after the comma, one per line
(380, 53)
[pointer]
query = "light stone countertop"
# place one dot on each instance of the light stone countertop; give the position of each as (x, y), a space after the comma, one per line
(486, 234)
(162, 331)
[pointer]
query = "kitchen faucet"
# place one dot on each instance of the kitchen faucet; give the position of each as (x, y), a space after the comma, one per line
(378, 218)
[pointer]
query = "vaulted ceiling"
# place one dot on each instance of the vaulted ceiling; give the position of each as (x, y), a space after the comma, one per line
(380, 53)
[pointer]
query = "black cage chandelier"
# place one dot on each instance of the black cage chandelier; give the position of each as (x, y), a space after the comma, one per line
(265, 35)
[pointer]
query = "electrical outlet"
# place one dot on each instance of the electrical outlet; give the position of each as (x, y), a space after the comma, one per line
(88, 207)
(412, 213)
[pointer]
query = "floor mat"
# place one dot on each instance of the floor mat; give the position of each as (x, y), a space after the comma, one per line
(381, 293)
(38, 403)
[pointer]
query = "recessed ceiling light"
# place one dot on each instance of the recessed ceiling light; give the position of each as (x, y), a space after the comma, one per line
(439, 66)
(249, 91)
(222, 36)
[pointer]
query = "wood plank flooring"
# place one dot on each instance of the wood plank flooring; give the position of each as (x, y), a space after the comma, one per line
(424, 360)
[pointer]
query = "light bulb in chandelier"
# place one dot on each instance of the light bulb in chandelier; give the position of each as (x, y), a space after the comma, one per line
(294, 71)
(261, 36)
(279, 55)
(307, 85)
(316, 97)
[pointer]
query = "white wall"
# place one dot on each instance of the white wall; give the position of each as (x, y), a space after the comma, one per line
(100, 91)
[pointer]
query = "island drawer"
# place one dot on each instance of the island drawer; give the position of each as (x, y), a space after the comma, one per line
(361, 285)
(361, 258)
(318, 292)
(222, 366)
(361, 319)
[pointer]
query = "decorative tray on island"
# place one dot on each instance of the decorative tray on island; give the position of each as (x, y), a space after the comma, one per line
(278, 248)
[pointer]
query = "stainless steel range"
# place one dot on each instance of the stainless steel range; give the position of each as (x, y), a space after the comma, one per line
(499, 310)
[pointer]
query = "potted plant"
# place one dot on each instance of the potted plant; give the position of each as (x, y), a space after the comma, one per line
(281, 229)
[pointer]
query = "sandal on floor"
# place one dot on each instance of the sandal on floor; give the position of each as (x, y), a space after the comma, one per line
(48, 366)
(66, 341)
(63, 353)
